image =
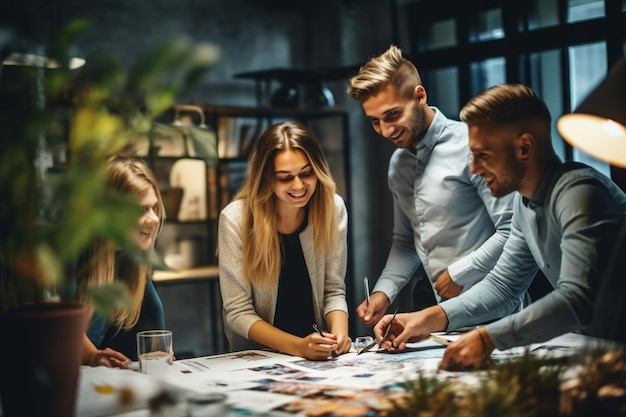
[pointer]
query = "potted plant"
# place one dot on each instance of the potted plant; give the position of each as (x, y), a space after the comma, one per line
(49, 215)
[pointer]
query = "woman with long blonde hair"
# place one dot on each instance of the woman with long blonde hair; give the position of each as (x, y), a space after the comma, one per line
(282, 250)
(112, 341)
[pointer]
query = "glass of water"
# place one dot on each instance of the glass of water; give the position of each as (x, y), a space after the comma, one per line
(154, 350)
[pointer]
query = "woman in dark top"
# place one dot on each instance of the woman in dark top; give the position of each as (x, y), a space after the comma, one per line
(111, 341)
(282, 250)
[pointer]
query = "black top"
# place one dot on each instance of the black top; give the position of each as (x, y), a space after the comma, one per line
(294, 306)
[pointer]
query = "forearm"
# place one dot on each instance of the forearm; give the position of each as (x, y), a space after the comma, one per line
(473, 267)
(264, 333)
(93, 356)
(543, 320)
(337, 322)
(90, 351)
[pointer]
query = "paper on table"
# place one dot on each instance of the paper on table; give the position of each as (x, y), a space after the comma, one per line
(444, 338)
(104, 391)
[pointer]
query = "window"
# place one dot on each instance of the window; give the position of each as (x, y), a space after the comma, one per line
(561, 48)
(587, 68)
(446, 95)
(438, 35)
(487, 73)
(543, 13)
(544, 79)
(487, 26)
(579, 10)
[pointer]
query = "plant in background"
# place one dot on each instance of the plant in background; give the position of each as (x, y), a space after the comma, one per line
(49, 216)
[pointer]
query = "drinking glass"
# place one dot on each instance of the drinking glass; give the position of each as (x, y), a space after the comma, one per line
(154, 350)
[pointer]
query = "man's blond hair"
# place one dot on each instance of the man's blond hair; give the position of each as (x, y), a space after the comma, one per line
(389, 67)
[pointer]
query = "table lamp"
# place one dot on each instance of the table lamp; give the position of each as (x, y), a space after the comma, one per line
(598, 125)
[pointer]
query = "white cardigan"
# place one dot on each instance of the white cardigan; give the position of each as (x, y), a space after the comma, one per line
(244, 305)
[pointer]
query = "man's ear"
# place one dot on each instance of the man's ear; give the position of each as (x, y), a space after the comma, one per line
(525, 146)
(419, 93)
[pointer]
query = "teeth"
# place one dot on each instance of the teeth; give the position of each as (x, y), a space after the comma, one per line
(298, 194)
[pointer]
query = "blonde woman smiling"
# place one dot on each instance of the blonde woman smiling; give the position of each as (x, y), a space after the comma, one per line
(282, 250)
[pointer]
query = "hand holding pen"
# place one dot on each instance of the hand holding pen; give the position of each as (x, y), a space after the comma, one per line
(317, 329)
(373, 308)
(387, 329)
(384, 337)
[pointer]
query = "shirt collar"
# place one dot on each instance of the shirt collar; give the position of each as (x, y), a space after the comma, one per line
(434, 131)
(541, 193)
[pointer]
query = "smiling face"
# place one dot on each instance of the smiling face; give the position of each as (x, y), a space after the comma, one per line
(148, 223)
(294, 179)
(494, 158)
(400, 119)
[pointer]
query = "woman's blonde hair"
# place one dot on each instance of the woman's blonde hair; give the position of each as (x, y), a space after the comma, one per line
(388, 68)
(131, 176)
(261, 243)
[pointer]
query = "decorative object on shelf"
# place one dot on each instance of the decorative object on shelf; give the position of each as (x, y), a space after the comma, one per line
(190, 175)
(299, 89)
(172, 198)
(183, 137)
(286, 95)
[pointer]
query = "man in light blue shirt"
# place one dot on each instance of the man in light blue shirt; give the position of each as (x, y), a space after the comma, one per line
(566, 221)
(444, 217)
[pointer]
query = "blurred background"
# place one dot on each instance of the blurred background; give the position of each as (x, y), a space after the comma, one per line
(292, 59)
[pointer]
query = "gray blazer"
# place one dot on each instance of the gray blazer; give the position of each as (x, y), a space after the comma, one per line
(244, 305)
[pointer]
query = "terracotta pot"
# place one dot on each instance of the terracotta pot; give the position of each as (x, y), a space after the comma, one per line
(41, 349)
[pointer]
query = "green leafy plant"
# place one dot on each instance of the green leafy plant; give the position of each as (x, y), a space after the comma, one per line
(48, 217)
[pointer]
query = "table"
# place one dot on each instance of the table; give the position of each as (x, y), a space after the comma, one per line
(259, 382)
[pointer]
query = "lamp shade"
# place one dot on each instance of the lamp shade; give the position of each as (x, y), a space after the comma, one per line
(598, 125)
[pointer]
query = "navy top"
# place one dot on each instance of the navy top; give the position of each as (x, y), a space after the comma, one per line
(103, 334)
(294, 306)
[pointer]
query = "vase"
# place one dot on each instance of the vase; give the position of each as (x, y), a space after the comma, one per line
(41, 349)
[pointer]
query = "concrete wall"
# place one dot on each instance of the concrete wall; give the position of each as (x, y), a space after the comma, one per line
(257, 35)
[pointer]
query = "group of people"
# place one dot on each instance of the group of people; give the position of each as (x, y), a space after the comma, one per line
(481, 204)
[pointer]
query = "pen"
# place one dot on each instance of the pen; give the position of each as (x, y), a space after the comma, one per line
(317, 329)
(389, 327)
(366, 283)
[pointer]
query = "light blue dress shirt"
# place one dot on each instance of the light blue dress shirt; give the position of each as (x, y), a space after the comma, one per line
(444, 217)
(568, 230)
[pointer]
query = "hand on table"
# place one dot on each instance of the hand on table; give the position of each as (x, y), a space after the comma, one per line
(109, 358)
(410, 327)
(344, 344)
(371, 313)
(468, 350)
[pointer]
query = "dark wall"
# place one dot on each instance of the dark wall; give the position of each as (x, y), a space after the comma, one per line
(256, 35)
